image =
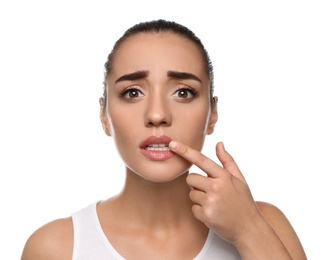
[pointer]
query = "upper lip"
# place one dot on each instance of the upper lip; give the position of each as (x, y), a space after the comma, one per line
(163, 139)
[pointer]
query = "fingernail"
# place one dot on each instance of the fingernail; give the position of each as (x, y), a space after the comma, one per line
(173, 145)
(223, 146)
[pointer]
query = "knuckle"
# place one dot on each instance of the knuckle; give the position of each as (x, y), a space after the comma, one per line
(192, 194)
(226, 177)
(186, 150)
(210, 199)
(214, 186)
(200, 159)
(208, 215)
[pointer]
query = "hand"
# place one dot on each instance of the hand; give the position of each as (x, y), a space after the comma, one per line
(222, 199)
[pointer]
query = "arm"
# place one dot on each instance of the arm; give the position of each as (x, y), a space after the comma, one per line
(283, 229)
(53, 241)
(222, 200)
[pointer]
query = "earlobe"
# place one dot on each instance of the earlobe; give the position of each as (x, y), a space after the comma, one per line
(103, 117)
(106, 128)
(213, 116)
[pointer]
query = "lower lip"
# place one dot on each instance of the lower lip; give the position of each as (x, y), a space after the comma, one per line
(157, 155)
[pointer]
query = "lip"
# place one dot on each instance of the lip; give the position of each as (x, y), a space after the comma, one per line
(156, 155)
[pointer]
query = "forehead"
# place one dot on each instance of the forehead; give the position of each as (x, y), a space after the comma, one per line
(158, 51)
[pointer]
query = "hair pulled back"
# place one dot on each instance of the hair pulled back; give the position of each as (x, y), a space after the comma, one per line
(158, 26)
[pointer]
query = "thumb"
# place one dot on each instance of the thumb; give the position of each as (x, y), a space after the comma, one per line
(228, 161)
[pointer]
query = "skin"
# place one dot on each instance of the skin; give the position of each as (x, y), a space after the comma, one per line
(168, 210)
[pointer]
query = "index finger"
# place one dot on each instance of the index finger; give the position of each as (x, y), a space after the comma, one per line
(207, 165)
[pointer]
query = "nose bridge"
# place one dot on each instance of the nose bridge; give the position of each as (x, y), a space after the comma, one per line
(158, 112)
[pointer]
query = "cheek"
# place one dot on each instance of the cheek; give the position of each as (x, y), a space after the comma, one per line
(194, 126)
(122, 125)
(121, 118)
(123, 137)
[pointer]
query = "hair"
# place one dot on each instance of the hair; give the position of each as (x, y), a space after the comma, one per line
(158, 26)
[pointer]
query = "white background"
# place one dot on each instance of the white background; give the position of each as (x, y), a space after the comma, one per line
(269, 64)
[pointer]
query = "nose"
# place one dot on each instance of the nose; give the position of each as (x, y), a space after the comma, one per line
(157, 112)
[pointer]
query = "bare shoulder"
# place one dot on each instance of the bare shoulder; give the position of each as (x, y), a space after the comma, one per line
(52, 241)
(282, 227)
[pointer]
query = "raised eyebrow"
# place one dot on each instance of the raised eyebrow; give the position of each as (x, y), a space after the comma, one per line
(133, 76)
(182, 75)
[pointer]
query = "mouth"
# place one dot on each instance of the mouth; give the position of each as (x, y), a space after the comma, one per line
(156, 148)
(156, 143)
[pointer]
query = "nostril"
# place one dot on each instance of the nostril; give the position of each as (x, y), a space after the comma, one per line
(157, 114)
(157, 123)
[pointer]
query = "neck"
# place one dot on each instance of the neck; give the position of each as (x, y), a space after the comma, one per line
(156, 204)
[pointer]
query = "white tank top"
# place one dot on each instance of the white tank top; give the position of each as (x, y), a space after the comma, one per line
(90, 242)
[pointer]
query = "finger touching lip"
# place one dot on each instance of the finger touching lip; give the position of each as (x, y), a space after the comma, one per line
(153, 140)
(156, 148)
(197, 158)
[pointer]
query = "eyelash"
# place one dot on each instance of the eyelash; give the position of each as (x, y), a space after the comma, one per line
(193, 91)
(124, 91)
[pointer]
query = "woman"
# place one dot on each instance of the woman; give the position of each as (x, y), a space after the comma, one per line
(158, 105)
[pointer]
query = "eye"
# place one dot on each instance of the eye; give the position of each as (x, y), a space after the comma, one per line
(185, 92)
(131, 93)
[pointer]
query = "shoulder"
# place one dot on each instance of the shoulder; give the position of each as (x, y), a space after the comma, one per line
(52, 241)
(269, 210)
(282, 227)
(274, 216)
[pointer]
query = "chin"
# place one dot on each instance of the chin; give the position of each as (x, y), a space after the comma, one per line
(158, 172)
(163, 178)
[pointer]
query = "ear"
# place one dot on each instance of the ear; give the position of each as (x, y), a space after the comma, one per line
(103, 117)
(213, 116)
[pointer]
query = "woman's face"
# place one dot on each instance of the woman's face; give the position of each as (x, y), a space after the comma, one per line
(158, 91)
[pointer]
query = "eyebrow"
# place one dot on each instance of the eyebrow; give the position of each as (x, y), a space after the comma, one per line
(141, 74)
(182, 75)
(133, 76)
